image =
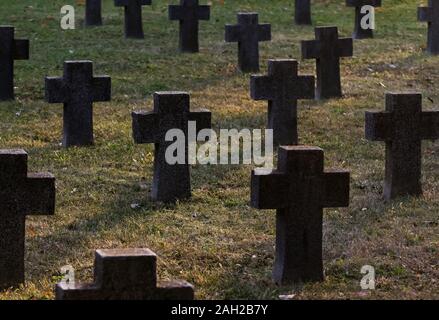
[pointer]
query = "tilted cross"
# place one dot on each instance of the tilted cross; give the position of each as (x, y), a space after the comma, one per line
(248, 33)
(302, 13)
(133, 17)
(359, 32)
(171, 182)
(78, 89)
(189, 12)
(430, 14)
(282, 87)
(21, 194)
(93, 12)
(125, 274)
(299, 189)
(327, 50)
(10, 49)
(402, 126)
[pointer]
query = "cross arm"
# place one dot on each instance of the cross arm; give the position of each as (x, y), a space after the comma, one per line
(145, 127)
(360, 3)
(264, 32)
(345, 47)
(261, 87)
(203, 119)
(425, 14)
(378, 126)
(232, 33)
(21, 49)
(56, 91)
(203, 13)
(336, 189)
(430, 125)
(39, 196)
(305, 88)
(311, 49)
(174, 290)
(102, 88)
(269, 189)
(124, 3)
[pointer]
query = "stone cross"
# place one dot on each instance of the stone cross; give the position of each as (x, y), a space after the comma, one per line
(299, 189)
(282, 87)
(327, 50)
(188, 13)
(133, 17)
(78, 89)
(10, 49)
(93, 12)
(430, 14)
(402, 126)
(359, 32)
(125, 274)
(21, 194)
(248, 33)
(302, 13)
(171, 111)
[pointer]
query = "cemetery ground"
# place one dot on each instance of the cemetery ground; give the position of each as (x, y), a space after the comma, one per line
(215, 240)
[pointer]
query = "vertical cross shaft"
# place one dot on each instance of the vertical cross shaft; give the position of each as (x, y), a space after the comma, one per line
(302, 13)
(133, 17)
(430, 14)
(93, 12)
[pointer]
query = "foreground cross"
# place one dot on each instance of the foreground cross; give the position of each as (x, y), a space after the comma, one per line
(133, 17)
(171, 182)
(302, 13)
(93, 12)
(248, 33)
(10, 49)
(78, 89)
(359, 32)
(327, 50)
(188, 13)
(402, 126)
(282, 87)
(299, 190)
(430, 14)
(125, 274)
(21, 194)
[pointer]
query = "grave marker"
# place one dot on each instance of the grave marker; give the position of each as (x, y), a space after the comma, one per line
(359, 32)
(302, 13)
(133, 17)
(93, 12)
(430, 14)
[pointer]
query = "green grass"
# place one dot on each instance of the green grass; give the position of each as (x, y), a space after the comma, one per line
(215, 240)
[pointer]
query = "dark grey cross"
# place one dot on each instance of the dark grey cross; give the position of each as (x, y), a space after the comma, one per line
(302, 13)
(299, 189)
(248, 33)
(402, 126)
(133, 17)
(327, 50)
(93, 12)
(10, 49)
(171, 111)
(78, 89)
(189, 12)
(359, 32)
(282, 87)
(125, 274)
(430, 14)
(21, 194)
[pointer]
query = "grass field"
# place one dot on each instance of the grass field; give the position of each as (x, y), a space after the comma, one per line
(215, 240)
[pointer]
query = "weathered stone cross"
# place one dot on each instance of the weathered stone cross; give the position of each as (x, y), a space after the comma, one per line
(327, 50)
(302, 13)
(282, 87)
(133, 17)
(402, 126)
(93, 12)
(10, 49)
(21, 194)
(125, 274)
(430, 14)
(359, 32)
(299, 189)
(78, 89)
(248, 33)
(188, 13)
(171, 111)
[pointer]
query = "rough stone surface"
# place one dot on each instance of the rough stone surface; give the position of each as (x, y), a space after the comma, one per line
(302, 13)
(189, 12)
(360, 33)
(282, 87)
(10, 49)
(299, 189)
(327, 50)
(133, 17)
(248, 33)
(21, 194)
(171, 111)
(93, 12)
(402, 126)
(78, 89)
(125, 274)
(430, 14)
